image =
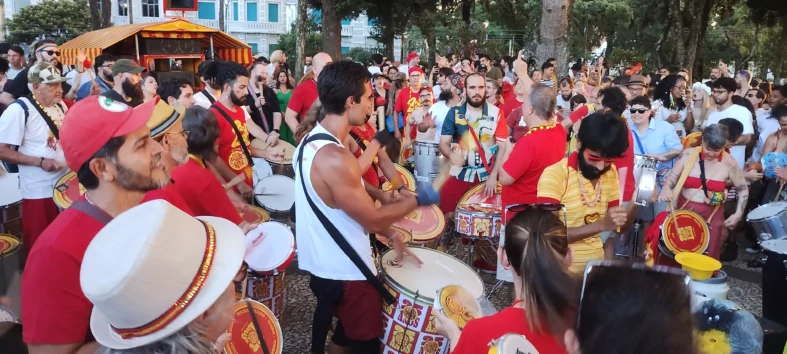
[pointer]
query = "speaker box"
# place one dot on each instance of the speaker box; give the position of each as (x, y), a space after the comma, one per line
(182, 4)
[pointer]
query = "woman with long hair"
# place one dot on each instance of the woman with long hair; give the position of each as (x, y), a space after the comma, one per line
(701, 104)
(314, 116)
(671, 104)
(278, 61)
(537, 254)
(283, 89)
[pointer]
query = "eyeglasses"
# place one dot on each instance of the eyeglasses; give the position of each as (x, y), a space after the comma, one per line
(640, 110)
(184, 133)
(55, 53)
(593, 158)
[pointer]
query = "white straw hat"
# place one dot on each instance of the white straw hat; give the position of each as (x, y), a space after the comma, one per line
(154, 269)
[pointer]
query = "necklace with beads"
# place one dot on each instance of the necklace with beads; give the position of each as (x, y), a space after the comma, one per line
(58, 122)
(582, 190)
(541, 127)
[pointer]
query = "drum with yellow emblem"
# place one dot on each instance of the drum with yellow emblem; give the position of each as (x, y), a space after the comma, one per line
(243, 332)
(425, 224)
(67, 190)
(478, 216)
(512, 343)
(685, 231)
(404, 175)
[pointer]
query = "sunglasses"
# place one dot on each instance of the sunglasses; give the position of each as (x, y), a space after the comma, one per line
(551, 207)
(640, 110)
(751, 95)
(592, 158)
(55, 53)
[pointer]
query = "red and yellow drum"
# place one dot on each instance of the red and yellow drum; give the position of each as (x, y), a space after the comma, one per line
(405, 176)
(67, 190)
(478, 216)
(425, 223)
(254, 215)
(457, 304)
(244, 339)
(269, 290)
(403, 235)
(692, 233)
(9, 255)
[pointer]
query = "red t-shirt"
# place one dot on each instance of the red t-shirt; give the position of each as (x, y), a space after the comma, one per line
(366, 133)
(53, 305)
(202, 192)
(407, 102)
(509, 105)
(303, 97)
(230, 150)
(170, 194)
(512, 121)
(534, 152)
(479, 332)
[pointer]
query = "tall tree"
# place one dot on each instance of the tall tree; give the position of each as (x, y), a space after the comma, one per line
(300, 43)
(772, 13)
(60, 20)
(331, 29)
(553, 39)
(106, 13)
(95, 16)
(222, 16)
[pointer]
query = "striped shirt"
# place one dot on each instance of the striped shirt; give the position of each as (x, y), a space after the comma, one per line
(559, 183)
(490, 128)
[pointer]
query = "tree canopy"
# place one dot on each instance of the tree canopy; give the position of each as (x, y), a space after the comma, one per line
(59, 20)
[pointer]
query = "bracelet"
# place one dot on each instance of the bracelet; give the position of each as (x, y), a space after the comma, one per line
(41, 163)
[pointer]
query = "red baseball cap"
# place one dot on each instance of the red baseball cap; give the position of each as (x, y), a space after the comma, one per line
(93, 121)
(415, 69)
(411, 56)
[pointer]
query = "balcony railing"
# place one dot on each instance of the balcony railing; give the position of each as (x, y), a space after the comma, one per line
(256, 27)
(347, 30)
(123, 20)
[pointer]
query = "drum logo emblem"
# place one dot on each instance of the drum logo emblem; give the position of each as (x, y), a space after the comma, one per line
(409, 314)
(686, 233)
(250, 337)
(481, 226)
(237, 161)
(416, 216)
(431, 346)
(402, 340)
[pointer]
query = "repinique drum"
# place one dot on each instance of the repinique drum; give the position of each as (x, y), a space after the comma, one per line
(425, 223)
(512, 343)
(769, 221)
(692, 234)
(270, 248)
(10, 205)
(244, 339)
(645, 175)
(457, 304)
(408, 323)
(254, 215)
(280, 167)
(9, 260)
(260, 170)
(478, 216)
(427, 162)
(11, 333)
(774, 281)
(399, 233)
(405, 176)
(67, 190)
(276, 194)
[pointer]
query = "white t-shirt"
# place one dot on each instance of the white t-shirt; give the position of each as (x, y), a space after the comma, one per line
(560, 102)
(439, 110)
(742, 115)
(436, 90)
(34, 139)
(11, 74)
(318, 253)
(661, 112)
(374, 69)
(200, 99)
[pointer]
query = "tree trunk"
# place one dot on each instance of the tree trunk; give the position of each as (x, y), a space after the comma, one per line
(331, 30)
(777, 73)
(95, 17)
(389, 46)
(555, 18)
(300, 41)
(106, 13)
(692, 44)
(2, 21)
(222, 14)
(699, 65)
(677, 32)
(467, 10)
(130, 11)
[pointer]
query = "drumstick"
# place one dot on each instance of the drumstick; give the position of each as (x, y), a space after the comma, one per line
(234, 182)
(781, 185)
(243, 287)
(445, 172)
(674, 222)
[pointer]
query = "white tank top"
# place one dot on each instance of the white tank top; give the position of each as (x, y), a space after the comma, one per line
(318, 253)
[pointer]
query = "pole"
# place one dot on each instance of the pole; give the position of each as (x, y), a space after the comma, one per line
(130, 4)
(136, 44)
(212, 54)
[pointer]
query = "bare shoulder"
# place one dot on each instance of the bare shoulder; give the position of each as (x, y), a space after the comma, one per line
(730, 162)
(335, 161)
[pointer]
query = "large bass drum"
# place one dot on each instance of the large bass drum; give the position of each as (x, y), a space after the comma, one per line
(427, 162)
(774, 281)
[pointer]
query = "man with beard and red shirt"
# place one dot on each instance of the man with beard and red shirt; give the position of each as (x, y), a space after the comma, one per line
(128, 83)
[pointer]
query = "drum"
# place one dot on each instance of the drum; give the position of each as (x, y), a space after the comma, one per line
(425, 223)
(276, 194)
(254, 215)
(282, 167)
(405, 176)
(457, 304)
(774, 281)
(426, 161)
(408, 323)
(244, 339)
(11, 333)
(10, 205)
(9, 260)
(67, 190)
(645, 175)
(270, 248)
(269, 290)
(769, 221)
(260, 170)
(713, 288)
(512, 343)
(403, 235)
(478, 217)
(692, 234)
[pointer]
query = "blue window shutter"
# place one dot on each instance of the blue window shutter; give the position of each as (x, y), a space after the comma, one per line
(346, 21)
(345, 50)
(206, 10)
(273, 13)
(251, 12)
(317, 16)
(253, 48)
(235, 10)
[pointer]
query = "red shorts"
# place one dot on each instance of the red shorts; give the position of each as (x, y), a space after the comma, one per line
(37, 214)
(452, 192)
(360, 310)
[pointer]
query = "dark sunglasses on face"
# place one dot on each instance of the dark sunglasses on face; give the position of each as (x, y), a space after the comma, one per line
(51, 52)
(640, 110)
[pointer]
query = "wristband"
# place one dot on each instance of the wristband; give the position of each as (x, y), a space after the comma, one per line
(41, 163)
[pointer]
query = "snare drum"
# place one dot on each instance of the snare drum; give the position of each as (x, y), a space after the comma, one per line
(276, 194)
(478, 217)
(67, 190)
(281, 167)
(408, 322)
(693, 233)
(254, 215)
(427, 162)
(270, 248)
(9, 259)
(512, 343)
(645, 175)
(769, 221)
(425, 223)
(260, 170)
(10, 205)
(405, 176)
(243, 336)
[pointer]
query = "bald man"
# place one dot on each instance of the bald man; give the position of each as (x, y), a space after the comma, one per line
(305, 94)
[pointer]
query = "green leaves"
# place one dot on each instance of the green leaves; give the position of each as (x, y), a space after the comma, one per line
(60, 20)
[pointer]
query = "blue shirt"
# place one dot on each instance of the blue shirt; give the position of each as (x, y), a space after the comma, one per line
(84, 90)
(658, 139)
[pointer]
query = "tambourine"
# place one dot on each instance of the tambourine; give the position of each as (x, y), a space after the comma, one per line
(771, 161)
(512, 343)
(692, 233)
(457, 304)
(67, 190)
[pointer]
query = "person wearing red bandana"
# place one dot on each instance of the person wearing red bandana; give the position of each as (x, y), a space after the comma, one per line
(407, 102)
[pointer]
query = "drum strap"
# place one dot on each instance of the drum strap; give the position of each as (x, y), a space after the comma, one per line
(92, 211)
(208, 96)
(360, 143)
(237, 133)
(686, 170)
(703, 180)
(336, 235)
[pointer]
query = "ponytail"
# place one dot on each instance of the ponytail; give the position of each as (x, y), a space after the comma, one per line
(536, 245)
(313, 116)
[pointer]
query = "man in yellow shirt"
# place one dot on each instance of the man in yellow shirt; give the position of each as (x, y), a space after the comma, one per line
(586, 183)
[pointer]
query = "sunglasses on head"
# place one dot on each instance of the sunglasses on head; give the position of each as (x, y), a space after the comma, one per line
(593, 158)
(639, 110)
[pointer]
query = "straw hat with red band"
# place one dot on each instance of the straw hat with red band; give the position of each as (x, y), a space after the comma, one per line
(148, 280)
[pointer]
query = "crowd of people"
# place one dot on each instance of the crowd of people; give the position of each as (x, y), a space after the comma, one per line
(166, 167)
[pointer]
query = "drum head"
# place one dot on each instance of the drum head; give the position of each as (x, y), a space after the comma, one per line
(268, 246)
(514, 344)
(426, 223)
(6, 315)
(283, 148)
(254, 215)
(775, 246)
(692, 234)
(8, 245)
(475, 195)
(403, 235)
(9, 189)
(67, 190)
(437, 271)
(244, 338)
(458, 305)
(276, 192)
(406, 177)
(767, 210)
(260, 170)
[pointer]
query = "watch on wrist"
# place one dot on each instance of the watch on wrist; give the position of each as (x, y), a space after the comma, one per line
(41, 163)
(275, 131)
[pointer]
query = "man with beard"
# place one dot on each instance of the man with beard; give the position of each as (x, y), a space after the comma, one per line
(586, 183)
(45, 50)
(333, 208)
(408, 101)
(480, 130)
(104, 79)
(451, 91)
(715, 73)
(128, 83)
(565, 92)
(723, 89)
(442, 75)
(109, 146)
(743, 82)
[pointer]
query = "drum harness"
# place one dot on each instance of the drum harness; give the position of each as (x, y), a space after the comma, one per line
(237, 133)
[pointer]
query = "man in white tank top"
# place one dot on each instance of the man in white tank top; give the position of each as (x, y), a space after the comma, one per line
(333, 183)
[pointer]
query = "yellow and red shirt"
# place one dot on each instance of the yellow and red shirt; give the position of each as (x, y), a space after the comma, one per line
(230, 149)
